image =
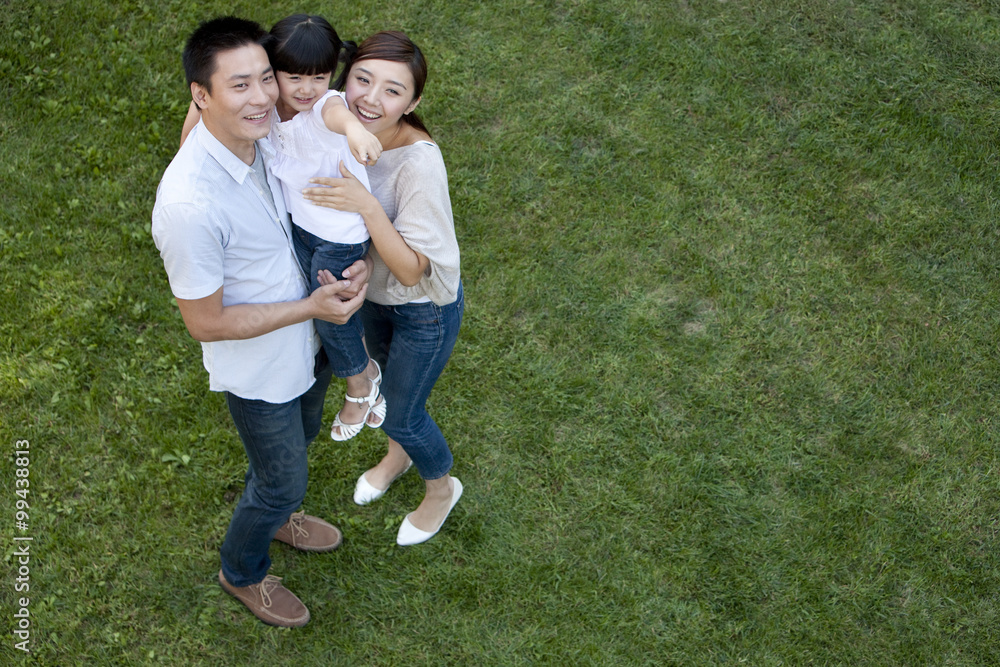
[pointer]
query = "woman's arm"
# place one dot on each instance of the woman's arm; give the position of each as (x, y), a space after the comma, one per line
(348, 194)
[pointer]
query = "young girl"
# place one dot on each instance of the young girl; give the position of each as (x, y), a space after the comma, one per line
(414, 305)
(315, 133)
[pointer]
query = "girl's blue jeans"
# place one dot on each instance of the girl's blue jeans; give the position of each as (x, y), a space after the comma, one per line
(412, 343)
(343, 343)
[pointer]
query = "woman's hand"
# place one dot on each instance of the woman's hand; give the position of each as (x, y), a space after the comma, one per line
(344, 194)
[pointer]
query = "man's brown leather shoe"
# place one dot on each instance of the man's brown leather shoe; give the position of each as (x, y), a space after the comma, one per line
(270, 602)
(309, 533)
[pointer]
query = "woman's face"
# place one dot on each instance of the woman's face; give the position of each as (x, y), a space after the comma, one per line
(379, 92)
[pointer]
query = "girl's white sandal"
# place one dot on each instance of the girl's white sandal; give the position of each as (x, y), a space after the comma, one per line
(348, 431)
(376, 417)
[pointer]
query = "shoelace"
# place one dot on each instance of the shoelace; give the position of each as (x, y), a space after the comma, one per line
(265, 587)
(295, 522)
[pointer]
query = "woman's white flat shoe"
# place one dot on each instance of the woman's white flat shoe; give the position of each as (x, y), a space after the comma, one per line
(409, 534)
(365, 493)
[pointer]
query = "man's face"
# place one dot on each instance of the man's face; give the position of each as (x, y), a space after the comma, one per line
(238, 110)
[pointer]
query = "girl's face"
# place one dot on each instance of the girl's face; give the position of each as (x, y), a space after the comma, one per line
(299, 92)
(379, 92)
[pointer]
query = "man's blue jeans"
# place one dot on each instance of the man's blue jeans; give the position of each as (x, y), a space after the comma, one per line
(413, 342)
(276, 438)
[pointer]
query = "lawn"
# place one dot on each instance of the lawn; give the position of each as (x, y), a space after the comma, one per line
(725, 392)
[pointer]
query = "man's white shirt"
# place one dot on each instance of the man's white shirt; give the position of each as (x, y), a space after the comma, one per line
(215, 228)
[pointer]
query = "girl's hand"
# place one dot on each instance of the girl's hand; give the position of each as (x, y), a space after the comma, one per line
(365, 146)
(344, 194)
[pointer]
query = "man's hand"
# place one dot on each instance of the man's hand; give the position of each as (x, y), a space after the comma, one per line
(330, 304)
(357, 273)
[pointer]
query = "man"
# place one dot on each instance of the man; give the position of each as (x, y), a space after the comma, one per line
(224, 235)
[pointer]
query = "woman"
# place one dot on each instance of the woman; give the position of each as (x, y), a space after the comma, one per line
(415, 301)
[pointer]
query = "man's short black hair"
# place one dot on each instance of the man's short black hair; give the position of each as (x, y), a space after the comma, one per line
(211, 38)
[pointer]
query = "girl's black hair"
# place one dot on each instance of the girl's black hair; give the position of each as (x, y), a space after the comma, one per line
(304, 44)
(347, 56)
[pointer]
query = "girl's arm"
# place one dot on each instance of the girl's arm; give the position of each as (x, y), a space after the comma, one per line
(348, 194)
(192, 118)
(365, 147)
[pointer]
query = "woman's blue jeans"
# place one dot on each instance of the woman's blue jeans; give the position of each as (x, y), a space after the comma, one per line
(412, 342)
(276, 438)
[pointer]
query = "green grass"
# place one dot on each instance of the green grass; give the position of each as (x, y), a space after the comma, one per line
(724, 394)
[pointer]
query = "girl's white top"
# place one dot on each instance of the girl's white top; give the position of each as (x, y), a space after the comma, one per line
(306, 148)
